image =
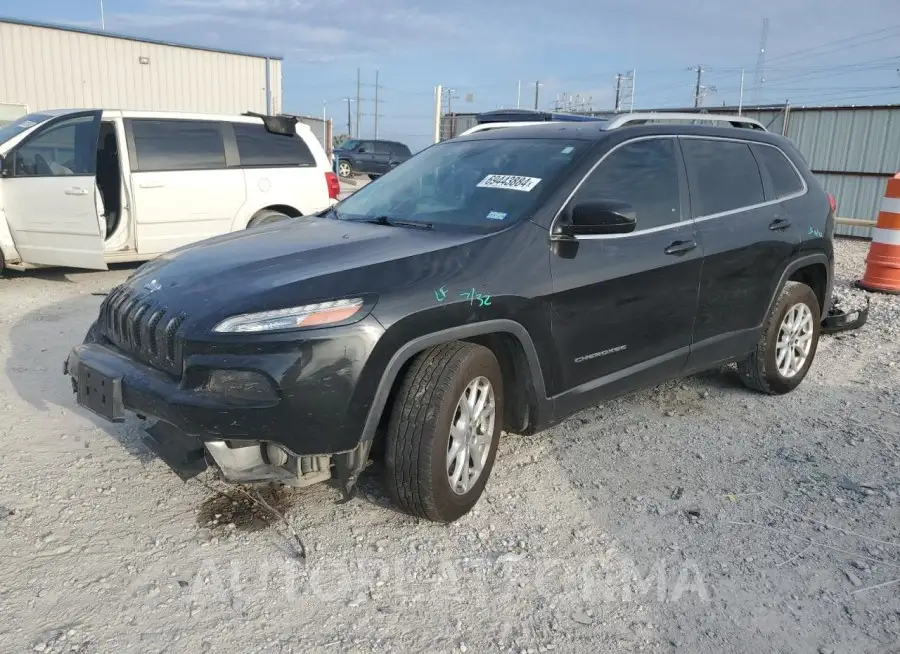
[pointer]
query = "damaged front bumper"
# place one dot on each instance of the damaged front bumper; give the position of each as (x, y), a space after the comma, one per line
(249, 439)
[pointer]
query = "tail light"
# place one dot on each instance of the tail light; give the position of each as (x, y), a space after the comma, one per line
(334, 185)
(832, 202)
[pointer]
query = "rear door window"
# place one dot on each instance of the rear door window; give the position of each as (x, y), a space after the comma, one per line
(382, 148)
(258, 147)
(723, 176)
(161, 145)
(785, 179)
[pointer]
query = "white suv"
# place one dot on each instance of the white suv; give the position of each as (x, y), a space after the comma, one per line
(84, 188)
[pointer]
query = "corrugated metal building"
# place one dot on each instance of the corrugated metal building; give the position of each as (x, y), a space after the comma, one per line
(853, 151)
(49, 66)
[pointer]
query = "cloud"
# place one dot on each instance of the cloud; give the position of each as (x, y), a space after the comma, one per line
(314, 31)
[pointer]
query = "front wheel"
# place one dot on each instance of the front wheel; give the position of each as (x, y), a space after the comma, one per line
(788, 343)
(444, 429)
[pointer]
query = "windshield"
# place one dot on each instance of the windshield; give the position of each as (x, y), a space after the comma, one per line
(19, 125)
(484, 184)
(350, 144)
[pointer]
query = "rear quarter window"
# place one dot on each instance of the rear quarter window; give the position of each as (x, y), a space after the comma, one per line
(785, 180)
(259, 148)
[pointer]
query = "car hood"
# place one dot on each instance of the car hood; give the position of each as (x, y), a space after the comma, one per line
(304, 259)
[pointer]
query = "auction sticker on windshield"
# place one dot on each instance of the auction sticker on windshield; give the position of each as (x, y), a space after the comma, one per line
(510, 182)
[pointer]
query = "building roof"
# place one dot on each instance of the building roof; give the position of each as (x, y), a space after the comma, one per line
(114, 35)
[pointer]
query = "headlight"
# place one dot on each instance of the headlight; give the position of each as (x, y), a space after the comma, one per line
(308, 315)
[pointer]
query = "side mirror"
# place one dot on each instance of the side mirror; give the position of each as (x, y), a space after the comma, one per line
(602, 217)
(361, 149)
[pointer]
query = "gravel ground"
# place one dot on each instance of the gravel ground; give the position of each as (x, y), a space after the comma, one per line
(693, 517)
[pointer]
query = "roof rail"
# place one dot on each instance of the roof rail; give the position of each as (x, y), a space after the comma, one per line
(640, 118)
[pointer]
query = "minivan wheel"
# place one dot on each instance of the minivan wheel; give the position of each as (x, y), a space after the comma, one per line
(265, 217)
(788, 343)
(345, 169)
(443, 432)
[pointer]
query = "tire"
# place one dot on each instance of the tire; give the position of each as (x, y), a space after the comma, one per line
(345, 169)
(265, 217)
(419, 431)
(374, 177)
(760, 371)
(2, 263)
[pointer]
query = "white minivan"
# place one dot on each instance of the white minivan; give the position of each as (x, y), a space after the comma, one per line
(84, 188)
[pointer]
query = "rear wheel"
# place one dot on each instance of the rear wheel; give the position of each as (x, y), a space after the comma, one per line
(443, 432)
(345, 169)
(265, 217)
(788, 343)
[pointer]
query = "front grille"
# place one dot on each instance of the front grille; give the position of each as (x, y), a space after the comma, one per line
(143, 328)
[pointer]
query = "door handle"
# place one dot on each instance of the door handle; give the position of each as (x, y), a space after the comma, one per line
(151, 185)
(76, 191)
(779, 224)
(680, 247)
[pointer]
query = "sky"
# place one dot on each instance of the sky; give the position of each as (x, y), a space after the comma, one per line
(818, 51)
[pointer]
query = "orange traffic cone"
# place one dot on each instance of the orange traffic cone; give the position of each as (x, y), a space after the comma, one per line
(883, 263)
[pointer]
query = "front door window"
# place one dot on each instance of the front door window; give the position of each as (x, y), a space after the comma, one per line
(67, 148)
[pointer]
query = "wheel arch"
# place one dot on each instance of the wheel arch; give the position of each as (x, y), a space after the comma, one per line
(511, 344)
(814, 270)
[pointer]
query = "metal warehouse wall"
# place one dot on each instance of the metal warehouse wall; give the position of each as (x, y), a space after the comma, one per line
(853, 151)
(44, 68)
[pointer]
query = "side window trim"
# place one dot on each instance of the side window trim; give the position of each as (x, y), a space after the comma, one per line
(682, 189)
(762, 175)
(43, 129)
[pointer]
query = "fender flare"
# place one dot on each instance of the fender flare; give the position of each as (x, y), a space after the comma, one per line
(795, 265)
(413, 347)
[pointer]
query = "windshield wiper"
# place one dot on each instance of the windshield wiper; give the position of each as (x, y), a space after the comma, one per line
(384, 220)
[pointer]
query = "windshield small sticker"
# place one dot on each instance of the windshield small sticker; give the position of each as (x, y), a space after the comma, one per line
(568, 150)
(510, 182)
(496, 215)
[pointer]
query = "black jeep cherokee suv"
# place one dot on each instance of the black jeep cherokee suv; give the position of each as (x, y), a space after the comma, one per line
(500, 281)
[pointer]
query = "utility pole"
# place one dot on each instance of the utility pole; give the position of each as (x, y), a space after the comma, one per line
(519, 95)
(618, 104)
(537, 91)
(699, 70)
(438, 105)
(349, 126)
(741, 99)
(376, 104)
(102, 18)
(633, 84)
(357, 102)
